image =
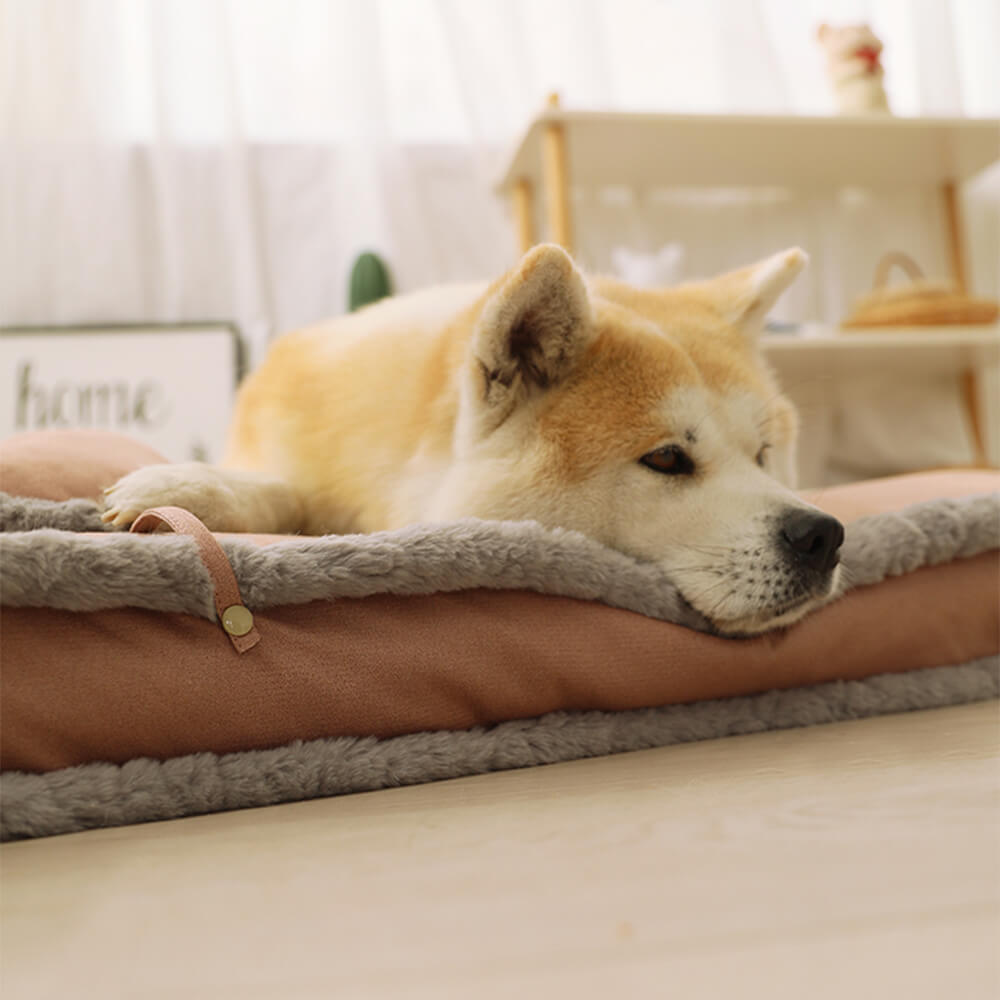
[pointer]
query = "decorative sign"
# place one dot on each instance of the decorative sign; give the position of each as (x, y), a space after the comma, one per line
(171, 387)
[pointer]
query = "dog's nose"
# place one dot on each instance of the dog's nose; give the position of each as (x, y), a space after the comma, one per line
(814, 538)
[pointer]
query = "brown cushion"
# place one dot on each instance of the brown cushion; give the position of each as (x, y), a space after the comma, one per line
(114, 685)
(60, 465)
(874, 496)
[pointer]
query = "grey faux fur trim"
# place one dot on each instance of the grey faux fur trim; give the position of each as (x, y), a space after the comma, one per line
(97, 795)
(30, 513)
(61, 569)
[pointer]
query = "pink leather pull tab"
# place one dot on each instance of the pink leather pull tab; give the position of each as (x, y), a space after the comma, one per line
(234, 617)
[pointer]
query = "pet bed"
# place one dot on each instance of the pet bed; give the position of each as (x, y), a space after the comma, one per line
(430, 652)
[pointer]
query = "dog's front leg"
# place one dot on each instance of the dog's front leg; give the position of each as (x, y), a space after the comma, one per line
(224, 499)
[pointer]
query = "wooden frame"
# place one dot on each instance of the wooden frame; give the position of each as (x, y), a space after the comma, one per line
(171, 385)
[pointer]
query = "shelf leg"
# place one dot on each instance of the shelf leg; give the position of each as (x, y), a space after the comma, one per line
(970, 397)
(953, 222)
(523, 198)
(969, 381)
(555, 171)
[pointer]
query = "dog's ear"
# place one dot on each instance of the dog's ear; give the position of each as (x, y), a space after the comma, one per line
(746, 296)
(532, 329)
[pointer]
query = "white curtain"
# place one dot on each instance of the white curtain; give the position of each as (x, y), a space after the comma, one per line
(166, 160)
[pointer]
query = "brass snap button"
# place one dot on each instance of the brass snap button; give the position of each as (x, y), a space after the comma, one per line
(237, 620)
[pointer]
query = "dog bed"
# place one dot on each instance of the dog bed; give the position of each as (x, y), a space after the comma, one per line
(430, 652)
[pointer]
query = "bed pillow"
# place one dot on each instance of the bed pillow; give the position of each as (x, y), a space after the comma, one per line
(60, 465)
(112, 681)
(126, 697)
(124, 683)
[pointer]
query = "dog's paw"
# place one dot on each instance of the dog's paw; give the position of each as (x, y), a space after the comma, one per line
(195, 487)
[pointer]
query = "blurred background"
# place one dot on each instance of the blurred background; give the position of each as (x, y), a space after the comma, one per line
(202, 161)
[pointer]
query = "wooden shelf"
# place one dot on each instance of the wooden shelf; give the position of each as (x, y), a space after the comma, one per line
(561, 148)
(793, 151)
(947, 350)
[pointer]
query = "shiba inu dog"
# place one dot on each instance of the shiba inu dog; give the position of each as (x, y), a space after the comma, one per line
(644, 419)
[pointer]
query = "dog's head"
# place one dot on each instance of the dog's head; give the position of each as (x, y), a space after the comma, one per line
(648, 421)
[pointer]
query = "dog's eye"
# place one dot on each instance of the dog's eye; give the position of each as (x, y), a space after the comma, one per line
(671, 461)
(760, 454)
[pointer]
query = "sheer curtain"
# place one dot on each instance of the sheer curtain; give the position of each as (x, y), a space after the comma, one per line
(227, 159)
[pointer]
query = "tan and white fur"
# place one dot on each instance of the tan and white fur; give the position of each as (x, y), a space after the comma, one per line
(644, 419)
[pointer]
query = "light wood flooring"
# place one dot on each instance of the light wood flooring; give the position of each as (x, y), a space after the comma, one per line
(859, 859)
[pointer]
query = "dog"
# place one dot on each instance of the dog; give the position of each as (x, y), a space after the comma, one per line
(644, 419)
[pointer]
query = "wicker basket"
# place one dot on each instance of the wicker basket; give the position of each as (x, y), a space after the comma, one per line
(919, 303)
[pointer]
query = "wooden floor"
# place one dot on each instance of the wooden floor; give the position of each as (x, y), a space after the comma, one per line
(852, 860)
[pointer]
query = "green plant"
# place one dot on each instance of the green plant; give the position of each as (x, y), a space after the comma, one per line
(369, 281)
